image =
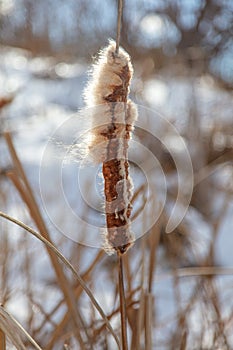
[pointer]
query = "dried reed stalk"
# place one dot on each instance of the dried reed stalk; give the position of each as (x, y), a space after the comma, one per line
(14, 331)
(21, 183)
(62, 324)
(122, 305)
(148, 320)
(51, 247)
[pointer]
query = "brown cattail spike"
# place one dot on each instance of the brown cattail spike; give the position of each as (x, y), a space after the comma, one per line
(112, 125)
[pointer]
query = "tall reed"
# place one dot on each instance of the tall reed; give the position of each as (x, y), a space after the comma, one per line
(112, 125)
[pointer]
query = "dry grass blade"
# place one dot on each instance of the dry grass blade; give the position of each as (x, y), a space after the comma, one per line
(15, 331)
(69, 265)
(78, 291)
(17, 162)
(20, 181)
(140, 322)
(183, 341)
(69, 296)
(153, 245)
(204, 271)
(148, 321)
(130, 303)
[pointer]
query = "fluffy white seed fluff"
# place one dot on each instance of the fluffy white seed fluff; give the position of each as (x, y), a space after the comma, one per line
(105, 74)
(104, 77)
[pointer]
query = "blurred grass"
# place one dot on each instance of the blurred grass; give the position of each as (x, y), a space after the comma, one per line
(143, 273)
(178, 296)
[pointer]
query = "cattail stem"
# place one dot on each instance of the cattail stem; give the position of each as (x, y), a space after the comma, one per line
(122, 303)
(119, 19)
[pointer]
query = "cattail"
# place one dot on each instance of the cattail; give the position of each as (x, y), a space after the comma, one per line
(112, 123)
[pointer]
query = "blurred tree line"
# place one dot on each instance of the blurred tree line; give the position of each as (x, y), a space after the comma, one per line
(194, 33)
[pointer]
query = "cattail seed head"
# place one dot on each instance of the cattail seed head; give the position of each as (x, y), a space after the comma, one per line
(112, 123)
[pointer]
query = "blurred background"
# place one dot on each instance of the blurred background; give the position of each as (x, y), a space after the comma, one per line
(182, 53)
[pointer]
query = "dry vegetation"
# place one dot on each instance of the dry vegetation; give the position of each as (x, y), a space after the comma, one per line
(196, 294)
(58, 294)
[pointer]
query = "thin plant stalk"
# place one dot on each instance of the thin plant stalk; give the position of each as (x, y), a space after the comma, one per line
(119, 20)
(61, 325)
(148, 321)
(14, 330)
(122, 304)
(2, 340)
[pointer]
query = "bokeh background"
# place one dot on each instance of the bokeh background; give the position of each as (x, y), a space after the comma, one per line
(182, 53)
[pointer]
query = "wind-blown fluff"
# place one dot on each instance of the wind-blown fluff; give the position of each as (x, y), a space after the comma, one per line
(113, 118)
(107, 74)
